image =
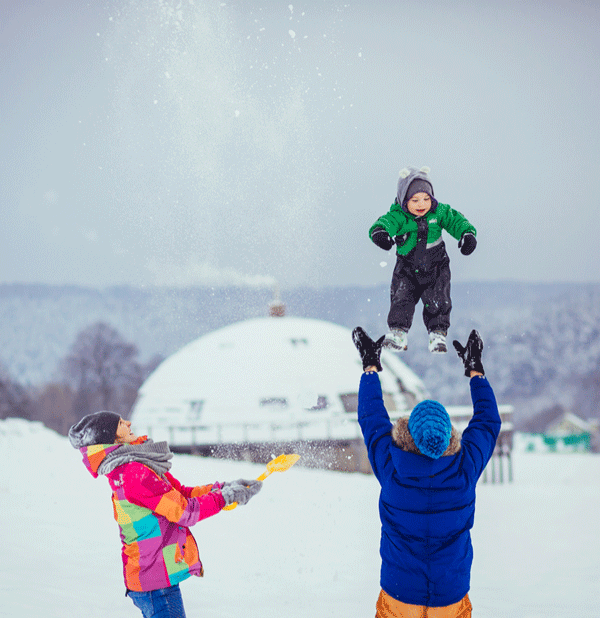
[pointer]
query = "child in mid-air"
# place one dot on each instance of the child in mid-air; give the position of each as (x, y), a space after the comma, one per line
(414, 223)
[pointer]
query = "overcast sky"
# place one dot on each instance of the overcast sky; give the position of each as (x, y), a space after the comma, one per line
(194, 142)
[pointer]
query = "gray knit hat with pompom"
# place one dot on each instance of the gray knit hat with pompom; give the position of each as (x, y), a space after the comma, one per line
(412, 180)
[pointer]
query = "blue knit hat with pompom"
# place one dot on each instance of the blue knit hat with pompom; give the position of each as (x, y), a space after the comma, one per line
(430, 427)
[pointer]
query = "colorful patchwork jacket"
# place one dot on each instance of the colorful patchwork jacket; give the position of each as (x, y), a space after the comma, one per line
(154, 514)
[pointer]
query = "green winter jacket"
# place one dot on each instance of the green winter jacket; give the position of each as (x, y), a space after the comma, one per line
(398, 222)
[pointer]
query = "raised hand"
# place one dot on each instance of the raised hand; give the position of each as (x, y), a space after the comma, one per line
(471, 353)
(369, 350)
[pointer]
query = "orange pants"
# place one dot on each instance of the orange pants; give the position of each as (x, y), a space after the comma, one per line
(388, 607)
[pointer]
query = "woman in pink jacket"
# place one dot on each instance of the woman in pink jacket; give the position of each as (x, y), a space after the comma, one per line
(153, 509)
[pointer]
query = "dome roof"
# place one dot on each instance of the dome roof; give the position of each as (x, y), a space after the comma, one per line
(264, 370)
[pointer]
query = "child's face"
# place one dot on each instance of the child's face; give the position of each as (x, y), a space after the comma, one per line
(419, 204)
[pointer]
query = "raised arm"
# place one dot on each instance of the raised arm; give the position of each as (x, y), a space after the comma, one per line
(373, 418)
(479, 438)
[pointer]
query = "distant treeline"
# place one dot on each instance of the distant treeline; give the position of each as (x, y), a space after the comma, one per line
(100, 372)
(542, 341)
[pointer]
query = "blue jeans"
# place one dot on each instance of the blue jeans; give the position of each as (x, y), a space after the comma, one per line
(161, 603)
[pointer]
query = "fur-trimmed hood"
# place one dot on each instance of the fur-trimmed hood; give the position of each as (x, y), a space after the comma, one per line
(404, 440)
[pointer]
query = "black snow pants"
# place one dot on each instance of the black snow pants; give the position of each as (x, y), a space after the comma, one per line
(426, 278)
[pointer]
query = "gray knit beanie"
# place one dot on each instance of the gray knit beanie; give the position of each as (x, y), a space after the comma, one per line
(412, 180)
(418, 185)
(96, 428)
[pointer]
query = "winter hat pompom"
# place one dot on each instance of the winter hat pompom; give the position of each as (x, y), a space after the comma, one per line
(430, 427)
(96, 428)
(405, 171)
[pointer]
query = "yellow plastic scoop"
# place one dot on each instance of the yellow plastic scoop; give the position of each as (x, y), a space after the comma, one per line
(279, 464)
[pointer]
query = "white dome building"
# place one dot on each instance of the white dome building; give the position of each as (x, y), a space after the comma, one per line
(266, 380)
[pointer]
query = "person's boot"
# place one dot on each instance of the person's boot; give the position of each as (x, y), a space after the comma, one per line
(396, 340)
(437, 342)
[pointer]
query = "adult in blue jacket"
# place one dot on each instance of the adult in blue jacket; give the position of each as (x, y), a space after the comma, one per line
(428, 475)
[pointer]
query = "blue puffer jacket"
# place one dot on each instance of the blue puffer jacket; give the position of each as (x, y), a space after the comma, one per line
(427, 506)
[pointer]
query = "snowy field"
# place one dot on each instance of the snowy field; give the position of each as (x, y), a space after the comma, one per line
(306, 546)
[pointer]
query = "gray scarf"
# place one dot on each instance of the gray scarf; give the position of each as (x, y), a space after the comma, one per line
(155, 455)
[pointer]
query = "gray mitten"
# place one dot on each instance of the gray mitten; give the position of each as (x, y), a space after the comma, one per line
(240, 491)
(239, 482)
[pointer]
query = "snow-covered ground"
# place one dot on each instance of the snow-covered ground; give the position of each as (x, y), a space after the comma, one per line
(306, 546)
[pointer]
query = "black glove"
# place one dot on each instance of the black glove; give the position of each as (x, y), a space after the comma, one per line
(240, 491)
(369, 350)
(382, 239)
(400, 240)
(467, 243)
(471, 353)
